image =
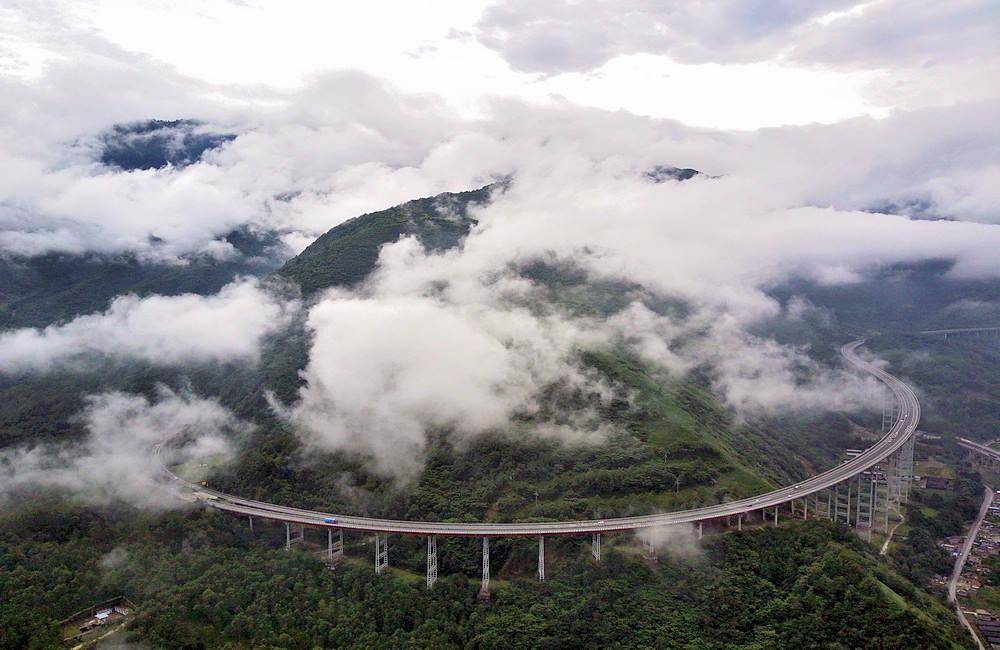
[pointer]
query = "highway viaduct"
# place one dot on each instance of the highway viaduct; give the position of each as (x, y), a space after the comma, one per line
(964, 331)
(860, 492)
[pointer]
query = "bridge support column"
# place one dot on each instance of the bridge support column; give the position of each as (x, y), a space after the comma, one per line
(872, 503)
(251, 525)
(894, 483)
(842, 502)
(381, 553)
(848, 513)
(541, 558)
(297, 537)
(334, 549)
(890, 481)
(890, 413)
(701, 530)
(739, 522)
(484, 590)
(432, 561)
(829, 504)
(805, 508)
(907, 468)
(775, 515)
(595, 546)
(857, 516)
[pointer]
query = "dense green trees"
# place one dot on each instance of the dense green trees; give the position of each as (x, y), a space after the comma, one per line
(931, 516)
(200, 580)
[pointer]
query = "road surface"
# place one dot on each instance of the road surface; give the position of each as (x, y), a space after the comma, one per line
(982, 449)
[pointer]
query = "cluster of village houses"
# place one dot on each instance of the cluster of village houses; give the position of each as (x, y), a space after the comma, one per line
(976, 571)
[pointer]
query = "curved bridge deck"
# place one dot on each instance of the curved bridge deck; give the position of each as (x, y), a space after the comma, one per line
(898, 435)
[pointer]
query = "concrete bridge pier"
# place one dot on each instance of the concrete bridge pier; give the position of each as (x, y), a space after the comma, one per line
(858, 495)
(290, 538)
(251, 525)
(381, 553)
(739, 522)
(842, 502)
(432, 561)
(484, 590)
(334, 549)
(541, 557)
(595, 546)
(907, 468)
(847, 515)
(867, 516)
(701, 531)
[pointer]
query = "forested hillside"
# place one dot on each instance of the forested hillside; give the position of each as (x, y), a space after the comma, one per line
(669, 442)
(202, 581)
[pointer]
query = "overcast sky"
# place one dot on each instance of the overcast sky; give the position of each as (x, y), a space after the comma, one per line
(724, 64)
(837, 138)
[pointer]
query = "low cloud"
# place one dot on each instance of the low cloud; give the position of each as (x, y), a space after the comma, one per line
(461, 341)
(679, 541)
(189, 328)
(568, 36)
(114, 461)
(922, 52)
(385, 370)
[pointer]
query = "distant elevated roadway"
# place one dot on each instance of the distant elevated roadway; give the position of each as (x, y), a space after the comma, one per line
(980, 331)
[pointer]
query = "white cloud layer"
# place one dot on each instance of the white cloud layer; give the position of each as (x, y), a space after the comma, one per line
(187, 328)
(385, 369)
(457, 340)
(115, 461)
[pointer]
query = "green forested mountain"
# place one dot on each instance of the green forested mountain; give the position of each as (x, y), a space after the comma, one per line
(347, 253)
(46, 289)
(201, 580)
(154, 144)
(905, 298)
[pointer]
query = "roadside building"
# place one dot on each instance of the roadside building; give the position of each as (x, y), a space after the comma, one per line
(937, 483)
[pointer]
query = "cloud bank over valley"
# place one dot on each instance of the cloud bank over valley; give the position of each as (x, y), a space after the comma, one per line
(117, 152)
